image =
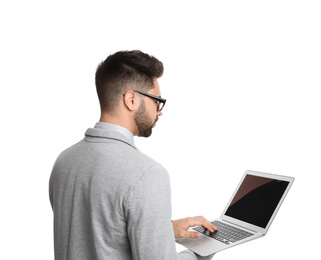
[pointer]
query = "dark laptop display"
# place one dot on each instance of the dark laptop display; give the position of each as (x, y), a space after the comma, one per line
(256, 200)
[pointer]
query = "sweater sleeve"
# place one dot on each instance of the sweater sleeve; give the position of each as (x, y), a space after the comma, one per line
(148, 213)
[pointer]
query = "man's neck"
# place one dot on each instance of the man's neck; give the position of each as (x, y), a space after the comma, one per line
(123, 122)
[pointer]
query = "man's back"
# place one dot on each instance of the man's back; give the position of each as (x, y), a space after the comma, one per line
(106, 196)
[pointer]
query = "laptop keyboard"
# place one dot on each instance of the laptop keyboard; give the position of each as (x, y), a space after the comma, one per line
(226, 234)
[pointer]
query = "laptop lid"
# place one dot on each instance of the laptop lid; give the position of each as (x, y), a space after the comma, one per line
(256, 200)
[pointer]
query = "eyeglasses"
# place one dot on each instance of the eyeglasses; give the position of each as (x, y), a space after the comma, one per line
(159, 101)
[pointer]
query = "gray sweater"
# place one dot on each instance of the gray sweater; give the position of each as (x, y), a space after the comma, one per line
(110, 201)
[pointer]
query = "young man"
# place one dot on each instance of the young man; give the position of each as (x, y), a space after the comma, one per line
(109, 200)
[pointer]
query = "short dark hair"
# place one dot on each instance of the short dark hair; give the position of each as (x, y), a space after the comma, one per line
(123, 71)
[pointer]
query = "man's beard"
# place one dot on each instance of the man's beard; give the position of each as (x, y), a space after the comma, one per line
(143, 121)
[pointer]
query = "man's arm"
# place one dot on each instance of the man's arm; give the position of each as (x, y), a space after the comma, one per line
(148, 212)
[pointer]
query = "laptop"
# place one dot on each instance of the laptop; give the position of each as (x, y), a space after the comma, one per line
(247, 216)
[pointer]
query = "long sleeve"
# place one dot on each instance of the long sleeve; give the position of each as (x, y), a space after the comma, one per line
(110, 201)
(148, 211)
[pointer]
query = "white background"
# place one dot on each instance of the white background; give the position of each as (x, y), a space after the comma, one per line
(242, 81)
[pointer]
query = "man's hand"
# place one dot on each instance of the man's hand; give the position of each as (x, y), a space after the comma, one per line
(181, 226)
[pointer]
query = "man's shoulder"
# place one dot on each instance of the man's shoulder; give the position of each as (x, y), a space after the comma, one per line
(140, 161)
(109, 152)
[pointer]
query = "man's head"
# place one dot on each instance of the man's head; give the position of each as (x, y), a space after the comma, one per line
(124, 83)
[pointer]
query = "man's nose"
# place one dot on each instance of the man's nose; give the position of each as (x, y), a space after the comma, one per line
(159, 113)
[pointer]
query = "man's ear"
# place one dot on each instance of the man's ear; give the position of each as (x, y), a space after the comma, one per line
(131, 101)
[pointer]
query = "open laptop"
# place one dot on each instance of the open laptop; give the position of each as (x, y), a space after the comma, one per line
(247, 216)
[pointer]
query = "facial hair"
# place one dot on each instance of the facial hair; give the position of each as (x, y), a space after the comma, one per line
(143, 121)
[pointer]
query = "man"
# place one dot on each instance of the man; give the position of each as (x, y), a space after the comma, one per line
(109, 200)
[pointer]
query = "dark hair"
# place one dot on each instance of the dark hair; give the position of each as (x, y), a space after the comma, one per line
(123, 71)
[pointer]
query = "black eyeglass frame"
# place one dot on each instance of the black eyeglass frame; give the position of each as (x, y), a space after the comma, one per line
(159, 99)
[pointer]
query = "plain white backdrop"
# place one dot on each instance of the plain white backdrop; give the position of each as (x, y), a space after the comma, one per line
(242, 81)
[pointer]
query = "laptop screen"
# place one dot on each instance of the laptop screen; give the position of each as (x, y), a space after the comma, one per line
(256, 200)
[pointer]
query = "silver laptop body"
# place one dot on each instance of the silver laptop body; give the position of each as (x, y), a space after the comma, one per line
(251, 208)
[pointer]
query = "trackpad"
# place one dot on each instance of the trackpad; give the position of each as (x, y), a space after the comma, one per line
(202, 245)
